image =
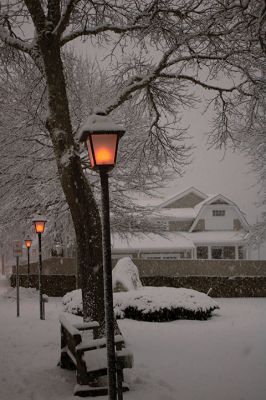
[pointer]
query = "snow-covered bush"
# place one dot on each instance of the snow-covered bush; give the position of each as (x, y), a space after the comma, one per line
(156, 304)
(125, 276)
(160, 304)
(72, 302)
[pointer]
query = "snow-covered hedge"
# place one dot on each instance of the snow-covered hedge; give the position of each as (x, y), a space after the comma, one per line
(152, 304)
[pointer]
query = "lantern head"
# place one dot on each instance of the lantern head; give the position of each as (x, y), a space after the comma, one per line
(101, 136)
(28, 242)
(39, 223)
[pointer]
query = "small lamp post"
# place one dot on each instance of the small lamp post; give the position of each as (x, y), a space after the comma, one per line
(28, 243)
(101, 136)
(39, 222)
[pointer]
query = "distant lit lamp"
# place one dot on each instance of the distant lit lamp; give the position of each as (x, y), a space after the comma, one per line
(101, 136)
(39, 222)
(28, 243)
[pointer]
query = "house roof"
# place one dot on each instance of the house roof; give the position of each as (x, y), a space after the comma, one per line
(171, 241)
(176, 213)
(199, 208)
(181, 194)
(217, 237)
(195, 212)
(174, 241)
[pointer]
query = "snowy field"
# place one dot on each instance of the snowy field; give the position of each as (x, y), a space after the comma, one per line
(223, 358)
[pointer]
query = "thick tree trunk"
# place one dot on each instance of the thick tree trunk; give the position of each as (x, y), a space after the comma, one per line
(78, 193)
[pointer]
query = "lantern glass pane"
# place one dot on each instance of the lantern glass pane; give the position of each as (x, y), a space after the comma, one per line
(90, 153)
(39, 226)
(104, 146)
(28, 243)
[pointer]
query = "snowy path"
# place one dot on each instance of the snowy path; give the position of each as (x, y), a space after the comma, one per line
(4, 284)
(222, 359)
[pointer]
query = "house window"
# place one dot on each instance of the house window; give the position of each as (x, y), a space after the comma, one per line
(229, 252)
(162, 225)
(202, 252)
(223, 252)
(218, 213)
(148, 256)
(167, 256)
(217, 253)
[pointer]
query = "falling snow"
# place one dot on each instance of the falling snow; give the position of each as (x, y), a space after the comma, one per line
(222, 358)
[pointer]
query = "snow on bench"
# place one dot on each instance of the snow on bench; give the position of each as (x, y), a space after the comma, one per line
(88, 357)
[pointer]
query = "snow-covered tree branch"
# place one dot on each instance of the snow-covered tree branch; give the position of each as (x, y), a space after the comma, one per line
(157, 52)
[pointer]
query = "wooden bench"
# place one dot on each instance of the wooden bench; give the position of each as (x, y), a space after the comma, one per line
(84, 355)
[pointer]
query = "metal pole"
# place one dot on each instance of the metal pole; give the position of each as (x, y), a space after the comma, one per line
(3, 263)
(28, 249)
(40, 276)
(76, 265)
(108, 290)
(17, 284)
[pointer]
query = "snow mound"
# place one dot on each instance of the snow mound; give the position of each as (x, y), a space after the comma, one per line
(125, 276)
(72, 302)
(152, 304)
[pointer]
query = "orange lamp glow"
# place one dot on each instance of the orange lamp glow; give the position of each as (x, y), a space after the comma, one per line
(101, 136)
(28, 243)
(39, 226)
(102, 149)
(39, 223)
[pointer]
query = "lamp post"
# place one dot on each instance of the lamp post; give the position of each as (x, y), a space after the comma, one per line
(39, 222)
(101, 136)
(28, 243)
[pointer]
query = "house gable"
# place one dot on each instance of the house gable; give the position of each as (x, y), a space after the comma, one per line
(186, 199)
(219, 201)
(219, 213)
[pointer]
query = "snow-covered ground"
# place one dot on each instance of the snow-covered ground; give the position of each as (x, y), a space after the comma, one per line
(223, 358)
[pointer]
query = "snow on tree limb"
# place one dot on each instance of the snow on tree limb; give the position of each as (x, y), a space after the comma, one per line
(158, 51)
(14, 41)
(65, 16)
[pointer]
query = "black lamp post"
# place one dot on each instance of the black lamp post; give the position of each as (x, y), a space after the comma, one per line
(28, 243)
(101, 136)
(39, 224)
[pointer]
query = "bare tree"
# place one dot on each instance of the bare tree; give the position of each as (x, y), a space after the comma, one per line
(25, 190)
(243, 124)
(159, 52)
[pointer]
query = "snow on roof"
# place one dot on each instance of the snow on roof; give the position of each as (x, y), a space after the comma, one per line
(152, 242)
(199, 206)
(186, 213)
(181, 194)
(99, 123)
(176, 213)
(219, 237)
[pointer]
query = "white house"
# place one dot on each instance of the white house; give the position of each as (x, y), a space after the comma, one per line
(192, 225)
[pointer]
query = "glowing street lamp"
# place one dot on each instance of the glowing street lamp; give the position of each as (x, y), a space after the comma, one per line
(101, 136)
(28, 243)
(39, 222)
